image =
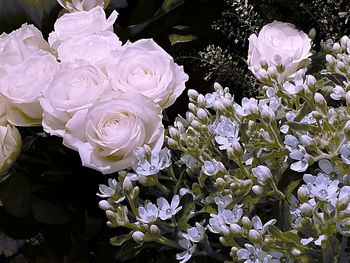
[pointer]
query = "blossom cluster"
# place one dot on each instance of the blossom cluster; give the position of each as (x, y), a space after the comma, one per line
(103, 98)
(264, 180)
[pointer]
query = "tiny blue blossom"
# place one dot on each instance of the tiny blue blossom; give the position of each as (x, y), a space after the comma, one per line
(107, 191)
(345, 153)
(190, 161)
(148, 214)
(217, 224)
(150, 162)
(253, 254)
(167, 210)
(187, 254)
(258, 226)
(195, 234)
(302, 158)
(212, 167)
(226, 131)
(231, 216)
(249, 106)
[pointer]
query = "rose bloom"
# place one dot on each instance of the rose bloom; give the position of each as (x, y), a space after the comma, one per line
(145, 67)
(82, 5)
(19, 44)
(75, 87)
(22, 86)
(279, 44)
(10, 146)
(94, 48)
(81, 23)
(107, 134)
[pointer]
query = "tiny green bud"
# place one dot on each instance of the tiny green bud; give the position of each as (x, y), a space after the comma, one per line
(154, 230)
(220, 182)
(312, 33)
(127, 185)
(347, 98)
(347, 129)
(295, 252)
(223, 241)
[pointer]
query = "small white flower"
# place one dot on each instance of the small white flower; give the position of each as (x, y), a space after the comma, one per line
(231, 216)
(211, 168)
(152, 165)
(345, 153)
(218, 225)
(195, 234)
(167, 210)
(249, 106)
(262, 173)
(190, 249)
(302, 158)
(190, 161)
(253, 255)
(107, 191)
(226, 131)
(148, 214)
(338, 93)
(258, 226)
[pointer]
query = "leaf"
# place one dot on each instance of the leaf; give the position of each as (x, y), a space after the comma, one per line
(119, 240)
(16, 196)
(128, 251)
(50, 213)
(302, 127)
(176, 38)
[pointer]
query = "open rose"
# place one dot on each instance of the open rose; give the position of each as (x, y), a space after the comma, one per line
(81, 23)
(22, 86)
(279, 44)
(107, 134)
(19, 44)
(94, 48)
(75, 87)
(10, 146)
(80, 5)
(145, 67)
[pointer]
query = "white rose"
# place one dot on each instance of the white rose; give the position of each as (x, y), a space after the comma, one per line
(81, 23)
(19, 44)
(75, 87)
(94, 48)
(22, 86)
(145, 67)
(107, 134)
(10, 142)
(80, 5)
(279, 44)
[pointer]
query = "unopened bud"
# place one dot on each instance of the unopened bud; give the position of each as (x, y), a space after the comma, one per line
(154, 230)
(138, 237)
(306, 209)
(255, 236)
(307, 141)
(193, 94)
(223, 241)
(127, 185)
(303, 194)
(173, 132)
(319, 100)
(220, 182)
(236, 230)
(104, 205)
(347, 129)
(312, 33)
(258, 190)
(295, 252)
(192, 107)
(246, 223)
(201, 101)
(202, 114)
(347, 98)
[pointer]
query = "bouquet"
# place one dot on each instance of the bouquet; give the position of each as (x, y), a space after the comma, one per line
(263, 178)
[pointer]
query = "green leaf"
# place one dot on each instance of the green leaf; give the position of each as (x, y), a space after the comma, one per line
(119, 240)
(177, 38)
(50, 213)
(128, 251)
(16, 196)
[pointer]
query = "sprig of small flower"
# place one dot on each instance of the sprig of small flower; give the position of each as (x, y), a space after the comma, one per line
(231, 160)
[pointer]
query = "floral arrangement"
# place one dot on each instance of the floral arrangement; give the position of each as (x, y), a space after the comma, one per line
(263, 179)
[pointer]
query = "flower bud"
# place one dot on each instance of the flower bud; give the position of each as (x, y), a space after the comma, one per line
(306, 209)
(192, 107)
(344, 41)
(104, 205)
(220, 182)
(246, 223)
(10, 141)
(336, 46)
(347, 98)
(138, 237)
(172, 143)
(193, 94)
(312, 33)
(154, 230)
(202, 114)
(236, 230)
(218, 105)
(258, 190)
(201, 101)
(262, 173)
(255, 237)
(173, 132)
(330, 58)
(310, 80)
(347, 129)
(319, 100)
(295, 252)
(307, 141)
(223, 241)
(303, 194)
(261, 74)
(190, 117)
(127, 185)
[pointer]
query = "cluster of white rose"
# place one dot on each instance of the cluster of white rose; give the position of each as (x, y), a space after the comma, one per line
(103, 98)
